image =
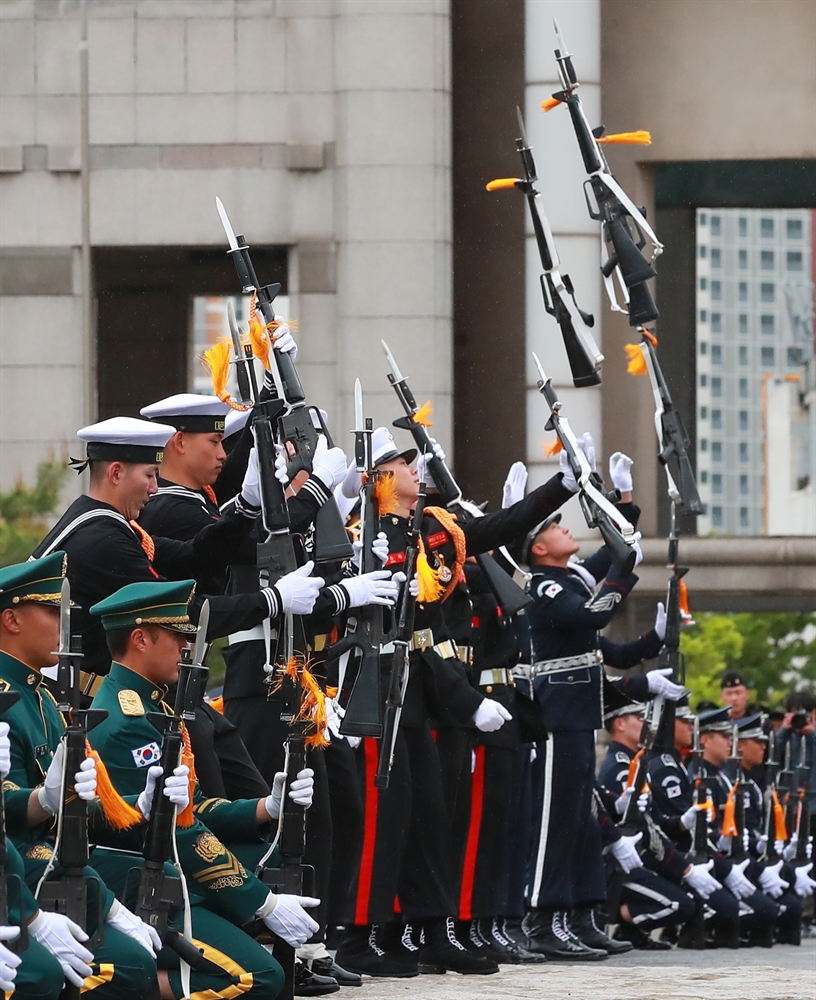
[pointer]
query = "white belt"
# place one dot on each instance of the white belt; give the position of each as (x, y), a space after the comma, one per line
(498, 675)
(564, 663)
(250, 635)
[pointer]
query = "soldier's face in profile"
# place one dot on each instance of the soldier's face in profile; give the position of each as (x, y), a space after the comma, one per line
(203, 455)
(406, 479)
(35, 629)
(683, 733)
(136, 484)
(717, 747)
(753, 753)
(631, 726)
(555, 543)
(162, 653)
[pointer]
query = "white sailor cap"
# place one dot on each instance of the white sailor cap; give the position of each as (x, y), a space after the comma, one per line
(124, 439)
(383, 449)
(236, 420)
(192, 412)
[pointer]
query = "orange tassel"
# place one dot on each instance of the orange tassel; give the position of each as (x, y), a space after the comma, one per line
(186, 818)
(633, 766)
(218, 704)
(259, 341)
(780, 829)
(502, 183)
(683, 599)
(423, 414)
(217, 360)
(385, 491)
(312, 702)
(649, 336)
(120, 814)
(637, 363)
(729, 823)
(552, 449)
(550, 103)
(430, 589)
(641, 138)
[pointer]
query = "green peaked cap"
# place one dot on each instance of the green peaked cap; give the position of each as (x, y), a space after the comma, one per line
(160, 603)
(38, 580)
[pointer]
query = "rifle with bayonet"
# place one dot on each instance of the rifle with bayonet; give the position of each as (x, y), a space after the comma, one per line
(295, 416)
(369, 627)
(609, 204)
(157, 893)
(584, 356)
(699, 853)
(670, 655)
(509, 596)
(74, 893)
(799, 792)
(11, 885)
(597, 506)
(631, 821)
(400, 664)
(734, 812)
(774, 813)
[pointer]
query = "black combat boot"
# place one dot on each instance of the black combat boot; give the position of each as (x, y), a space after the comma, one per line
(549, 934)
(359, 952)
(441, 950)
(726, 935)
(397, 941)
(471, 937)
(509, 951)
(583, 926)
(639, 939)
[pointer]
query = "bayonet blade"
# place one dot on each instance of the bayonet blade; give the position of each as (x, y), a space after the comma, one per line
(235, 332)
(200, 647)
(65, 618)
(562, 45)
(541, 374)
(359, 418)
(522, 129)
(225, 222)
(392, 361)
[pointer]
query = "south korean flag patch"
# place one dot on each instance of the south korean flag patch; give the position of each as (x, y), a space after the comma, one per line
(149, 754)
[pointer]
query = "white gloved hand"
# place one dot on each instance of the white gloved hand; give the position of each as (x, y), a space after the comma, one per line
(622, 801)
(569, 481)
(281, 465)
(689, 817)
(620, 471)
(413, 586)
(700, 879)
(298, 590)
(329, 466)
(789, 852)
(50, 794)
(636, 546)
(120, 917)
(286, 916)
(85, 780)
(804, 885)
(660, 622)
(490, 716)
(626, 853)
(371, 588)
(424, 473)
(301, 791)
(283, 340)
(643, 800)
(9, 962)
(736, 881)
(659, 683)
(533, 754)
(251, 487)
(514, 485)
(379, 547)
(771, 882)
(723, 843)
(5, 750)
(63, 938)
(587, 446)
(176, 788)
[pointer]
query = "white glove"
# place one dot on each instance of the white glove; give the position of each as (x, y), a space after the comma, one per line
(514, 485)
(636, 546)
(736, 881)
(472, 761)
(804, 883)
(371, 588)
(8, 960)
(587, 446)
(424, 472)
(660, 623)
(622, 801)
(286, 916)
(50, 794)
(569, 482)
(283, 340)
(176, 788)
(643, 801)
(700, 879)
(771, 882)
(5, 750)
(490, 716)
(689, 817)
(659, 683)
(413, 586)
(250, 487)
(723, 843)
(379, 547)
(620, 471)
(63, 938)
(120, 917)
(301, 791)
(329, 466)
(626, 853)
(281, 465)
(298, 591)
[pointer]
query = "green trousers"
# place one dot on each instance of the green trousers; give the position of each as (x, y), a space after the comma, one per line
(39, 976)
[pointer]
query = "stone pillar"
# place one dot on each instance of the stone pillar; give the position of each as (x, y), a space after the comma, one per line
(561, 174)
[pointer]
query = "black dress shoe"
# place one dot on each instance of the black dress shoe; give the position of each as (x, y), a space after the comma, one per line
(550, 935)
(327, 966)
(309, 984)
(359, 952)
(510, 952)
(639, 940)
(583, 926)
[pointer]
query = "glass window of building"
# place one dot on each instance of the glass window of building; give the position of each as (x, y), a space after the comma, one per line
(716, 420)
(703, 413)
(766, 291)
(766, 229)
(716, 257)
(743, 451)
(794, 258)
(716, 354)
(743, 227)
(703, 250)
(766, 260)
(743, 484)
(704, 380)
(716, 483)
(703, 316)
(703, 284)
(743, 286)
(796, 357)
(767, 357)
(793, 229)
(716, 225)
(743, 388)
(716, 291)
(743, 355)
(716, 386)
(716, 322)
(767, 324)
(743, 260)
(703, 478)
(703, 347)
(716, 517)
(743, 420)
(703, 444)
(743, 322)
(744, 517)
(716, 451)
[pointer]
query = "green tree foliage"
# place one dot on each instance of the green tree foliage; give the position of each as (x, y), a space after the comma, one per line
(24, 509)
(775, 651)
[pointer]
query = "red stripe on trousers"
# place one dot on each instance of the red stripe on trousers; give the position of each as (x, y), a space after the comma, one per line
(372, 796)
(474, 829)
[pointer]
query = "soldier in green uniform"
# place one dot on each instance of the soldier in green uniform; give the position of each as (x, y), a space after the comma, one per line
(124, 966)
(147, 627)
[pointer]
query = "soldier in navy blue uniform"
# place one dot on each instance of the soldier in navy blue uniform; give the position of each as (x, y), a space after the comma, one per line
(567, 876)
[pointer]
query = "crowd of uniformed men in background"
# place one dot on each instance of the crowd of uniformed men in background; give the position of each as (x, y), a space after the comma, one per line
(494, 842)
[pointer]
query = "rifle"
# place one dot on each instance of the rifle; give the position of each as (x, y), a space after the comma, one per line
(584, 356)
(670, 655)
(158, 893)
(734, 813)
(509, 596)
(671, 432)
(631, 820)
(599, 512)
(802, 827)
(8, 880)
(69, 894)
(774, 814)
(295, 416)
(610, 205)
(699, 853)
(398, 678)
(366, 630)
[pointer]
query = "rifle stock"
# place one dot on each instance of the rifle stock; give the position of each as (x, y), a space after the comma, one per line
(11, 886)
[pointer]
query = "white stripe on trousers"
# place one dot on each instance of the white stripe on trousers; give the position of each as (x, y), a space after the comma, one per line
(549, 753)
(671, 905)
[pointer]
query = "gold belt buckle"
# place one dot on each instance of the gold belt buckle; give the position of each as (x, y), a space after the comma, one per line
(465, 654)
(423, 638)
(499, 675)
(446, 650)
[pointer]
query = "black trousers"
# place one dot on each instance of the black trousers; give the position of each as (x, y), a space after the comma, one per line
(405, 859)
(653, 901)
(346, 804)
(566, 867)
(520, 811)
